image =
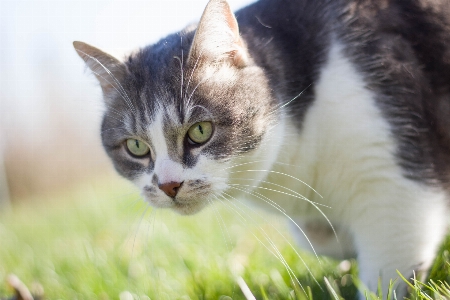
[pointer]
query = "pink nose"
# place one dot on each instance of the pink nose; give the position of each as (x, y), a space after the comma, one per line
(170, 188)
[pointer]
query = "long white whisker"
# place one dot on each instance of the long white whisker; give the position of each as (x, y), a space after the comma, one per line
(287, 103)
(119, 120)
(309, 201)
(136, 233)
(284, 174)
(258, 161)
(293, 248)
(277, 253)
(287, 216)
(192, 73)
(193, 91)
(299, 196)
(119, 114)
(131, 203)
(151, 220)
(221, 223)
(114, 128)
(181, 69)
(268, 199)
(137, 229)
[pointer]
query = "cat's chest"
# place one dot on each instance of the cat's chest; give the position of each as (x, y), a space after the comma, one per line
(343, 151)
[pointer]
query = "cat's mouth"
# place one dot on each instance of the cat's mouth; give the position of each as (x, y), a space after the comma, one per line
(189, 208)
(182, 204)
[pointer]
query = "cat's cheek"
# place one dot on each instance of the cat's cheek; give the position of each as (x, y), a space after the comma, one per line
(215, 172)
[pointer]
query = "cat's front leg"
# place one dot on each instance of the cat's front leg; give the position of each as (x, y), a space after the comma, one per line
(404, 239)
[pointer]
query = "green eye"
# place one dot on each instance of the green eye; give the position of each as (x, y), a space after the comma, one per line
(137, 147)
(200, 132)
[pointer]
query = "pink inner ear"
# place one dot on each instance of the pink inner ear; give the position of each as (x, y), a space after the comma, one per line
(231, 20)
(217, 36)
(238, 55)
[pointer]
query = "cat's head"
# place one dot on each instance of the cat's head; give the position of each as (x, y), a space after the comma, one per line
(181, 114)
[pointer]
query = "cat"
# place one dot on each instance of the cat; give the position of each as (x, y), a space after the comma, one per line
(335, 114)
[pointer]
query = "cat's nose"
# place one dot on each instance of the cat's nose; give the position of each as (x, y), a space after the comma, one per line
(170, 188)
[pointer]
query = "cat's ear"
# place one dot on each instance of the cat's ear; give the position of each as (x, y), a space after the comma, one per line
(217, 36)
(108, 70)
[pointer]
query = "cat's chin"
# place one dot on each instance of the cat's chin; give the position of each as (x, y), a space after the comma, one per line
(181, 205)
(189, 208)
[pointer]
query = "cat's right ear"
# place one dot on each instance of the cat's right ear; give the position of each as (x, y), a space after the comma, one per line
(217, 36)
(108, 70)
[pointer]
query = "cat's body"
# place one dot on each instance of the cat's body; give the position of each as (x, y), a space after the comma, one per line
(332, 112)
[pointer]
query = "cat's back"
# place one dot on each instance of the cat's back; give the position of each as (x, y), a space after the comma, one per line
(401, 50)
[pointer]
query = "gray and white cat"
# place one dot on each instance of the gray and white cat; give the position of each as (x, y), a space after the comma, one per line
(308, 105)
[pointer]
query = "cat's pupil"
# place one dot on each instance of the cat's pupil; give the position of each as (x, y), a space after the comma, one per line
(200, 129)
(137, 143)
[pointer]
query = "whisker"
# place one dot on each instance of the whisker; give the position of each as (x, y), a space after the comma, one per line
(111, 108)
(190, 97)
(193, 70)
(309, 201)
(134, 239)
(137, 229)
(258, 161)
(221, 223)
(284, 174)
(114, 128)
(181, 69)
(289, 217)
(227, 238)
(199, 106)
(300, 196)
(299, 256)
(132, 203)
(287, 103)
(119, 120)
(277, 253)
(268, 199)
(151, 220)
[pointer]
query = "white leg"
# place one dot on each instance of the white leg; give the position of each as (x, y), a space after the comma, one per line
(405, 238)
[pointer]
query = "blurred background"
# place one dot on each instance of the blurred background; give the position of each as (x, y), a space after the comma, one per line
(50, 105)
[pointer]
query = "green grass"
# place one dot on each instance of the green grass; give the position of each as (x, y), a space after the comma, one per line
(100, 241)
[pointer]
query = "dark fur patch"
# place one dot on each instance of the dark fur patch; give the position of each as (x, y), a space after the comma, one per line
(403, 49)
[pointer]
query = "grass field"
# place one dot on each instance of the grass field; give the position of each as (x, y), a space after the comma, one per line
(100, 241)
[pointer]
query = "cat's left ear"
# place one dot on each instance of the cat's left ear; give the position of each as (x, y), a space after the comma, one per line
(217, 36)
(108, 70)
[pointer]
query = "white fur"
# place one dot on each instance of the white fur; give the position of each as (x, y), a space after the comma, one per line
(346, 152)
